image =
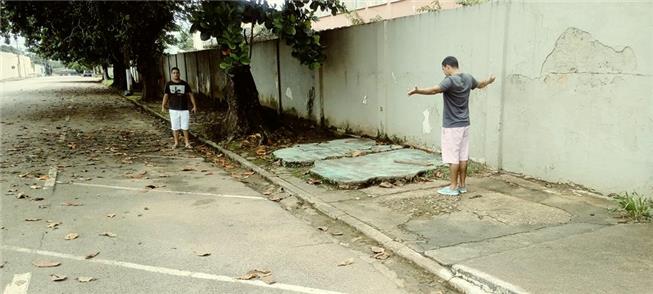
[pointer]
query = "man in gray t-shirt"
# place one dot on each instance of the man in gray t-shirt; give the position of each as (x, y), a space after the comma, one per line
(455, 89)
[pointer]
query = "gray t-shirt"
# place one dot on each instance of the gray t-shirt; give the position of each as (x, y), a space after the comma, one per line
(456, 90)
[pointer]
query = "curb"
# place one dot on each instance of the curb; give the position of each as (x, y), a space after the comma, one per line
(463, 279)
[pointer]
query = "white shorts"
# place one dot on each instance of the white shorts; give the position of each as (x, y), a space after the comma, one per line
(455, 145)
(179, 119)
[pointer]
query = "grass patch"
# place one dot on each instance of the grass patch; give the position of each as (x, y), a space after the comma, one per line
(634, 207)
(107, 83)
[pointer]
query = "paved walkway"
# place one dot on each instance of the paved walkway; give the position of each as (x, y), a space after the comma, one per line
(508, 234)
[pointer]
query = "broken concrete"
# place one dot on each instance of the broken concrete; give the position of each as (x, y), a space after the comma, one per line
(392, 165)
(306, 154)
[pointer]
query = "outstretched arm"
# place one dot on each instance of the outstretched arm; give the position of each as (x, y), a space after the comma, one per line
(482, 84)
(426, 91)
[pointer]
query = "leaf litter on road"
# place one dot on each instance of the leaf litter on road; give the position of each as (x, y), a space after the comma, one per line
(71, 236)
(91, 255)
(111, 215)
(108, 234)
(46, 263)
(347, 262)
(86, 279)
(68, 203)
(32, 219)
(57, 278)
(263, 275)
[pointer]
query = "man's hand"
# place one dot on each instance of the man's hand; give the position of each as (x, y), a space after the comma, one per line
(413, 91)
(163, 108)
(194, 110)
(484, 83)
(491, 79)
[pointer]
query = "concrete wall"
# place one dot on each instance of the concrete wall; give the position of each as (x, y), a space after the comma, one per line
(13, 66)
(573, 100)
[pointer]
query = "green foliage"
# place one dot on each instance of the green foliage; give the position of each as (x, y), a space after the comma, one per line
(635, 206)
(90, 32)
(291, 23)
(469, 2)
(10, 49)
(432, 6)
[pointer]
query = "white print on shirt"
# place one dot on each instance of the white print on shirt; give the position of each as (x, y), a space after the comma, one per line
(177, 89)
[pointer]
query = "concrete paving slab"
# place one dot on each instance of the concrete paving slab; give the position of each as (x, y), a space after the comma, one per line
(490, 216)
(376, 167)
(615, 259)
(459, 253)
(306, 154)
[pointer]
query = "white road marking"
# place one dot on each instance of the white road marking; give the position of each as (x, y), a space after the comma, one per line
(171, 271)
(19, 284)
(52, 178)
(168, 191)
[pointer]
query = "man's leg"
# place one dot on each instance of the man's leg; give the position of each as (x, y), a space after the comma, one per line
(464, 157)
(454, 169)
(462, 173)
(186, 142)
(175, 134)
(185, 124)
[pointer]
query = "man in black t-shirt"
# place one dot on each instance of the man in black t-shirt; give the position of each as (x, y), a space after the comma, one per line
(175, 98)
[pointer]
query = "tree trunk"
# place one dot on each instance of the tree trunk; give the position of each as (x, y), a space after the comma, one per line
(148, 68)
(244, 109)
(105, 71)
(119, 76)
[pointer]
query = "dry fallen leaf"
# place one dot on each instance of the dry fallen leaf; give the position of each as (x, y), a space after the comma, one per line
(85, 279)
(71, 236)
(32, 219)
(71, 204)
(268, 279)
(46, 263)
(382, 256)
(337, 233)
(347, 262)
(94, 254)
(22, 196)
(202, 254)
(111, 215)
(150, 186)
(356, 153)
(314, 181)
(53, 225)
(377, 249)
(44, 178)
(108, 234)
(386, 185)
(323, 229)
(248, 276)
(57, 278)
(187, 169)
(38, 199)
(35, 187)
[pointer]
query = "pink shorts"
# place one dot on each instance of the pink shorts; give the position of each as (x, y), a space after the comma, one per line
(455, 145)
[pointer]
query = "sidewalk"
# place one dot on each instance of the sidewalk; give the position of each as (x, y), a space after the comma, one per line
(508, 234)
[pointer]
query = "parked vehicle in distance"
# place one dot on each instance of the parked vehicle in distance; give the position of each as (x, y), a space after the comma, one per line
(87, 73)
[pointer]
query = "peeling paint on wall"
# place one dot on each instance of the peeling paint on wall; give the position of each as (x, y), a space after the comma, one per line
(289, 93)
(364, 99)
(426, 125)
(576, 51)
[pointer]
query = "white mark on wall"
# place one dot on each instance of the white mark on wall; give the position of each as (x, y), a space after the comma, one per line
(364, 99)
(289, 93)
(426, 126)
(394, 78)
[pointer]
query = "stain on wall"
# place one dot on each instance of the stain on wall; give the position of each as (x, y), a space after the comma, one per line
(576, 51)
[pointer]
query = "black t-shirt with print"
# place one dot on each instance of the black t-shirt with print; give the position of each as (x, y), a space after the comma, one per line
(177, 95)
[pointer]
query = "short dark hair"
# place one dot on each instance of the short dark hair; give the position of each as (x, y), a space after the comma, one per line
(174, 69)
(450, 61)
